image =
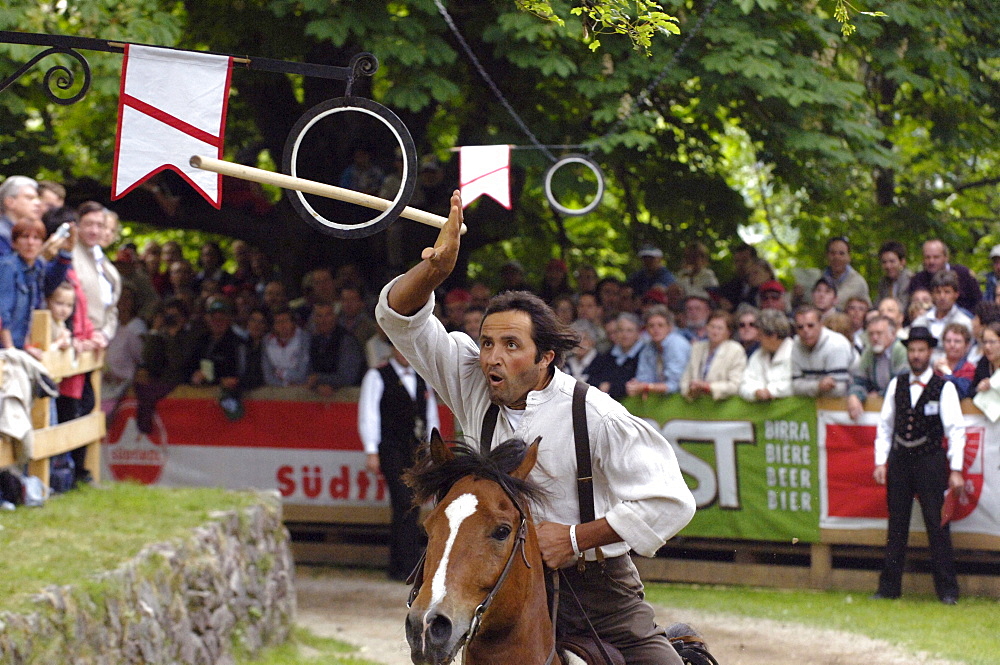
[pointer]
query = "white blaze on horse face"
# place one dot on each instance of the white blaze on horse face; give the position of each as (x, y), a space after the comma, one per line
(456, 513)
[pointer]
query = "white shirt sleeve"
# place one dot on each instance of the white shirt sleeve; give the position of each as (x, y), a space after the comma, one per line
(886, 424)
(753, 377)
(653, 501)
(447, 362)
(779, 374)
(951, 418)
(954, 425)
(433, 417)
(369, 412)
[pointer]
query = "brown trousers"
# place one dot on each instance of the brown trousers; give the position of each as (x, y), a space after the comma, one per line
(612, 594)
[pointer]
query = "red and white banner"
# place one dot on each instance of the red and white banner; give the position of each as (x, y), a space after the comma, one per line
(310, 452)
(172, 105)
(314, 458)
(485, 169)
(852, 500)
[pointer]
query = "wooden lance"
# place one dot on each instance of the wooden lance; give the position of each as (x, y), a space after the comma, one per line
(312, 187)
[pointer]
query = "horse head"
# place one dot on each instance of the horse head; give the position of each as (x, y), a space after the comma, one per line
(482, 573)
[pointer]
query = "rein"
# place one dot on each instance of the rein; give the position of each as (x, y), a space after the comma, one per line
(416, 578)
(477, 615)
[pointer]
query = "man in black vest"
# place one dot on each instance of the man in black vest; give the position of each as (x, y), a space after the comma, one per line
(396, 412)
(920, 409)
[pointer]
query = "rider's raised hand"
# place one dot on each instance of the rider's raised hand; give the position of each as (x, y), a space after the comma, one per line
(444, 254)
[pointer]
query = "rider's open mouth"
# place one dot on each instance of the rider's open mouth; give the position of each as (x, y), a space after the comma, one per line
(494, 378)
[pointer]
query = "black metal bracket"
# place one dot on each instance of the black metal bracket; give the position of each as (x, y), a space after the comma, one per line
(60, 76)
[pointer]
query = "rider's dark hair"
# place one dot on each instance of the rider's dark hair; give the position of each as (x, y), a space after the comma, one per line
(547, 331)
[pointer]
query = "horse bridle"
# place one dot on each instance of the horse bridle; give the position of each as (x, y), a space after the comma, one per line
(416, 578)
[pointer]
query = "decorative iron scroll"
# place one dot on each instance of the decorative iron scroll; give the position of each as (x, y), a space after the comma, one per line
(60, 76)
(362, 64)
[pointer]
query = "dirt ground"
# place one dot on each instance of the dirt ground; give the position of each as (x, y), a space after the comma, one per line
(364, 609)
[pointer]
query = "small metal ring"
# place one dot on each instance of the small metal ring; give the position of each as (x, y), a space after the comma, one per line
(575, 159)
(409, 178)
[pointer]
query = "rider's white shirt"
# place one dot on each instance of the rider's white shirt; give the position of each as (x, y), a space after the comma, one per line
(638, 485)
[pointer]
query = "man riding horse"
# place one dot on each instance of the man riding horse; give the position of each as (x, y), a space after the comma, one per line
(640, 498)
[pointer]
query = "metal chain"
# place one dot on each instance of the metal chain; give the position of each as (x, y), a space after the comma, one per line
(642, 97)
(489, 81)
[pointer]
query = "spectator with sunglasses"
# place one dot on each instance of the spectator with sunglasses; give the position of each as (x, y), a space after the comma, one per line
(769, 371)
(747, 330)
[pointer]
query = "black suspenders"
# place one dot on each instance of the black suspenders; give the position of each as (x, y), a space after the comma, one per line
(584, 474)
(581, 436)
(489, 424)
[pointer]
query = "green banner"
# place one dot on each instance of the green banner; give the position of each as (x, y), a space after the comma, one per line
(753, 468)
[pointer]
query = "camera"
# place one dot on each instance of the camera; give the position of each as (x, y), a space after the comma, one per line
(62, 232)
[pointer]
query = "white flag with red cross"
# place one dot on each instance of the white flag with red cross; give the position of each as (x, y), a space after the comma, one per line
(485, 169)
(172, 106)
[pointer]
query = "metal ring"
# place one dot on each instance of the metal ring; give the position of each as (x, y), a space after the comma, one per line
(403, 137)
(575, 159)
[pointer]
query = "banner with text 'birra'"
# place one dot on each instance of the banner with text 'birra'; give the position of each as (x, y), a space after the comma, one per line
(753, 468)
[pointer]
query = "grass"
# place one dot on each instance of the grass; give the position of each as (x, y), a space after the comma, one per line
(965, 633)
(306, 648)
(80, 533)
(91, 530)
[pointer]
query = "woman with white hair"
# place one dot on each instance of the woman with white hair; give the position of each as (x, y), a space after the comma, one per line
(578, 362)
(19, 202)
(769, 370)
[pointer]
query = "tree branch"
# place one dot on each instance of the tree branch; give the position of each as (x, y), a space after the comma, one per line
(985, 182)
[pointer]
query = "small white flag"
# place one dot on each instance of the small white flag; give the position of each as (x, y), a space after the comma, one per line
(485, 169)
(172, 106)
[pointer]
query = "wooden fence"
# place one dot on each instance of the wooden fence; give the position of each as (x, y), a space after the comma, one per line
(52, 440)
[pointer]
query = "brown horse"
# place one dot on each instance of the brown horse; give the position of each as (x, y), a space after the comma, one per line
(482, 584)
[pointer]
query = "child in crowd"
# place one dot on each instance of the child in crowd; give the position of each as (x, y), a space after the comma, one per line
(60, 303)
(71, 323)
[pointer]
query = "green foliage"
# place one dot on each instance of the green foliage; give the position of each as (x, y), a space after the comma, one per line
(639, 20)
(61, 142)
(888, 134)
(842, 13)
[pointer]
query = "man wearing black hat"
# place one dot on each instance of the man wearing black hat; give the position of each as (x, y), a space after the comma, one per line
(920, 409)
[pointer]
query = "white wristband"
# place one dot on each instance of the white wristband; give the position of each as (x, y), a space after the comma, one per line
(572, 541)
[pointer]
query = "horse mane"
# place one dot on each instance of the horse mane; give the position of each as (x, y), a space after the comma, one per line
(429, 479)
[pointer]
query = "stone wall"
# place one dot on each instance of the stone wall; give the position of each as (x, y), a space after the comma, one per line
(227, 588)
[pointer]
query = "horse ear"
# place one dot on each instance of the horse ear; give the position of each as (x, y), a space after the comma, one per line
(440, 452)
(528, 463)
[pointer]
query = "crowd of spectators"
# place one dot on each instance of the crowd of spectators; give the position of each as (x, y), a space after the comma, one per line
(166, 321)
(664, 332)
